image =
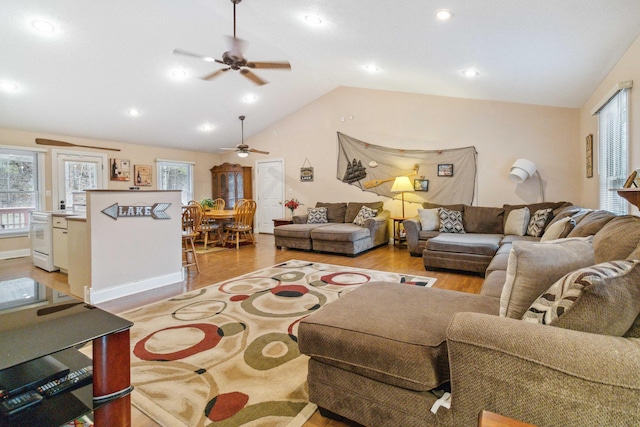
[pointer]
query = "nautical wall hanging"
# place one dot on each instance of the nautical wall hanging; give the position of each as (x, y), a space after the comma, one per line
(306, 172)
(374, 168)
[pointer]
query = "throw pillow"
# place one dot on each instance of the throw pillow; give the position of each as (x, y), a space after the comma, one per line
(534, 266)
(317, 216)
(364, 214)
(450, 221)
(558, 229)
(602, 299)
(517, 222)
(618, 239)
(429, 219)
(538, 222)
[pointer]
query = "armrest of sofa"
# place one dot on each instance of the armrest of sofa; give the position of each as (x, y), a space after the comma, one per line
(379, 227)
(541, 374)
(412, 229)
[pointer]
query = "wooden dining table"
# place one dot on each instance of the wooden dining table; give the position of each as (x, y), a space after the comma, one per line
(219, 214)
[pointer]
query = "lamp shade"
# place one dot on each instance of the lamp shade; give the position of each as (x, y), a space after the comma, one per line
(402, 183)
(522, 170)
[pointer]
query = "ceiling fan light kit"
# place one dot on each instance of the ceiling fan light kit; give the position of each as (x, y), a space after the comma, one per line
(235, 60)
(243, 149)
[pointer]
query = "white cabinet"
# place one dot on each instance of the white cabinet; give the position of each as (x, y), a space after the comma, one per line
(60, 244)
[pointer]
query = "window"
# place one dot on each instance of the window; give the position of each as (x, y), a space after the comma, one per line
(20, 182)
(613, 151)
(173, 175)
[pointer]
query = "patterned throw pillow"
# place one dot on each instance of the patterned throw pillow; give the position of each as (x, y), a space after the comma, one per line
(317, 216)
(450, 221)
(602, 299)
(364, 214)
(538, 222)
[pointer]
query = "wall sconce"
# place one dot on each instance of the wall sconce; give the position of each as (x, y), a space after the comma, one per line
(523, 169)
(400, 185)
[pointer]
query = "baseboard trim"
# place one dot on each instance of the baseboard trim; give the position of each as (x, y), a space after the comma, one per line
(93, 296)
(18, 253)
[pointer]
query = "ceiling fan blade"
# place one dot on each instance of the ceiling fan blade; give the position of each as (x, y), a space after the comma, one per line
(280, 65)
(215, 74)
(253, 150)
(257, 80)
(228, 149)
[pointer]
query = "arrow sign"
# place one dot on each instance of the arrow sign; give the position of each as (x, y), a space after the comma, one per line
(157, 211)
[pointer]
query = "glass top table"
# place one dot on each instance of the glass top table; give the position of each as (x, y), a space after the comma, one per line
(36, 321)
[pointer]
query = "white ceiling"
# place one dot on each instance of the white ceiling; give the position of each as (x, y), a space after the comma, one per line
(109, 56)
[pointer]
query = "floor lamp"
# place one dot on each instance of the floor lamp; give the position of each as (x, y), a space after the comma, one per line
(400, 185)
(523, 169)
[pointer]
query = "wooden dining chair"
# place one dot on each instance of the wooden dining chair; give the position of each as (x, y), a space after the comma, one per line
(218, 204)
(241, 229)
(191, 217)
(206, 227)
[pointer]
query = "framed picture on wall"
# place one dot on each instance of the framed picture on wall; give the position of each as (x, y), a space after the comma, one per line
(445, 169)
(421, 184)
(590, 155)
(142, 175)
(120, 170)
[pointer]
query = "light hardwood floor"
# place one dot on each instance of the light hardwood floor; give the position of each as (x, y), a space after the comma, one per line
(223, 265)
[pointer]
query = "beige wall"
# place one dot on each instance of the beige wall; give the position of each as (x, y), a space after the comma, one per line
(628, 68)
(137, 154)
(501, 132)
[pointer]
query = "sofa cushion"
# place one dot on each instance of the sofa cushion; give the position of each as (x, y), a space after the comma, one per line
(298, 231)
(336, 212)
(558, 229)
(617, 239)
(340, 233)
(538, 222)
(485, 220)
(429, 219)
(534, 266)
(456, 207)
(317, 216)
(591, 223)
(364, 214)
(493, 283)
(512, 238)
(403, 344)
(517, 222)
(354, 207)
(480, 244)
(601, 299)
(450, 221)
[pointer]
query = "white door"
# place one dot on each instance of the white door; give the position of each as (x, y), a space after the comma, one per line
(76, 171)
(270, 189)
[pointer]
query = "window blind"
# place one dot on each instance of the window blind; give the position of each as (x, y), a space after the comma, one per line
(613, 151)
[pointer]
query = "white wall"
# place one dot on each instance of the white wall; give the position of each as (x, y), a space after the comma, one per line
(501, 132)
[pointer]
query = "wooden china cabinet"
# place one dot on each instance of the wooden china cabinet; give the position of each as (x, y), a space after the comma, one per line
(231, 182)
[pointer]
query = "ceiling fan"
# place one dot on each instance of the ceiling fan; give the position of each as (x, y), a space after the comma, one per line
(235, 60)
(242, 148)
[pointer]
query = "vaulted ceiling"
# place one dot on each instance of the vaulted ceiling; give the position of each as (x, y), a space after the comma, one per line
(106, 57)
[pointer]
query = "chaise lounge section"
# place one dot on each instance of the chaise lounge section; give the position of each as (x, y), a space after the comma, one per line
(339, 234)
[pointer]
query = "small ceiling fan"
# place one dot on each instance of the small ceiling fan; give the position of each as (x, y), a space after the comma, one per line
(235, 60)
(242, 148)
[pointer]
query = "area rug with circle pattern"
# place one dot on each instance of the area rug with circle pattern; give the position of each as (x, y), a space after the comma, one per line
(227, 355)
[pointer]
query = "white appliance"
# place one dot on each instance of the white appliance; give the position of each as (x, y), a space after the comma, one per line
(41, 236)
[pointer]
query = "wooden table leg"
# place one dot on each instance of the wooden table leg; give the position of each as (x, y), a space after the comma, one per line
(112, 375)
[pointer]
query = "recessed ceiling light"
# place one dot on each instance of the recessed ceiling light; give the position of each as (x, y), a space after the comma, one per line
(443, 14)
(179, 74)
(250, 98)
(43, 26)
(470, 72)
(134, 112)
(8, 87)
(313, 20)
(207, 127)
(372, 68)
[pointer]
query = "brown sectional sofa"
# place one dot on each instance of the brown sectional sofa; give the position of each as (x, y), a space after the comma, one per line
(383, 354)
(340, 235)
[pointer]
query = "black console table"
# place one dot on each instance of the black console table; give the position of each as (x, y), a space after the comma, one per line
(36, 321)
